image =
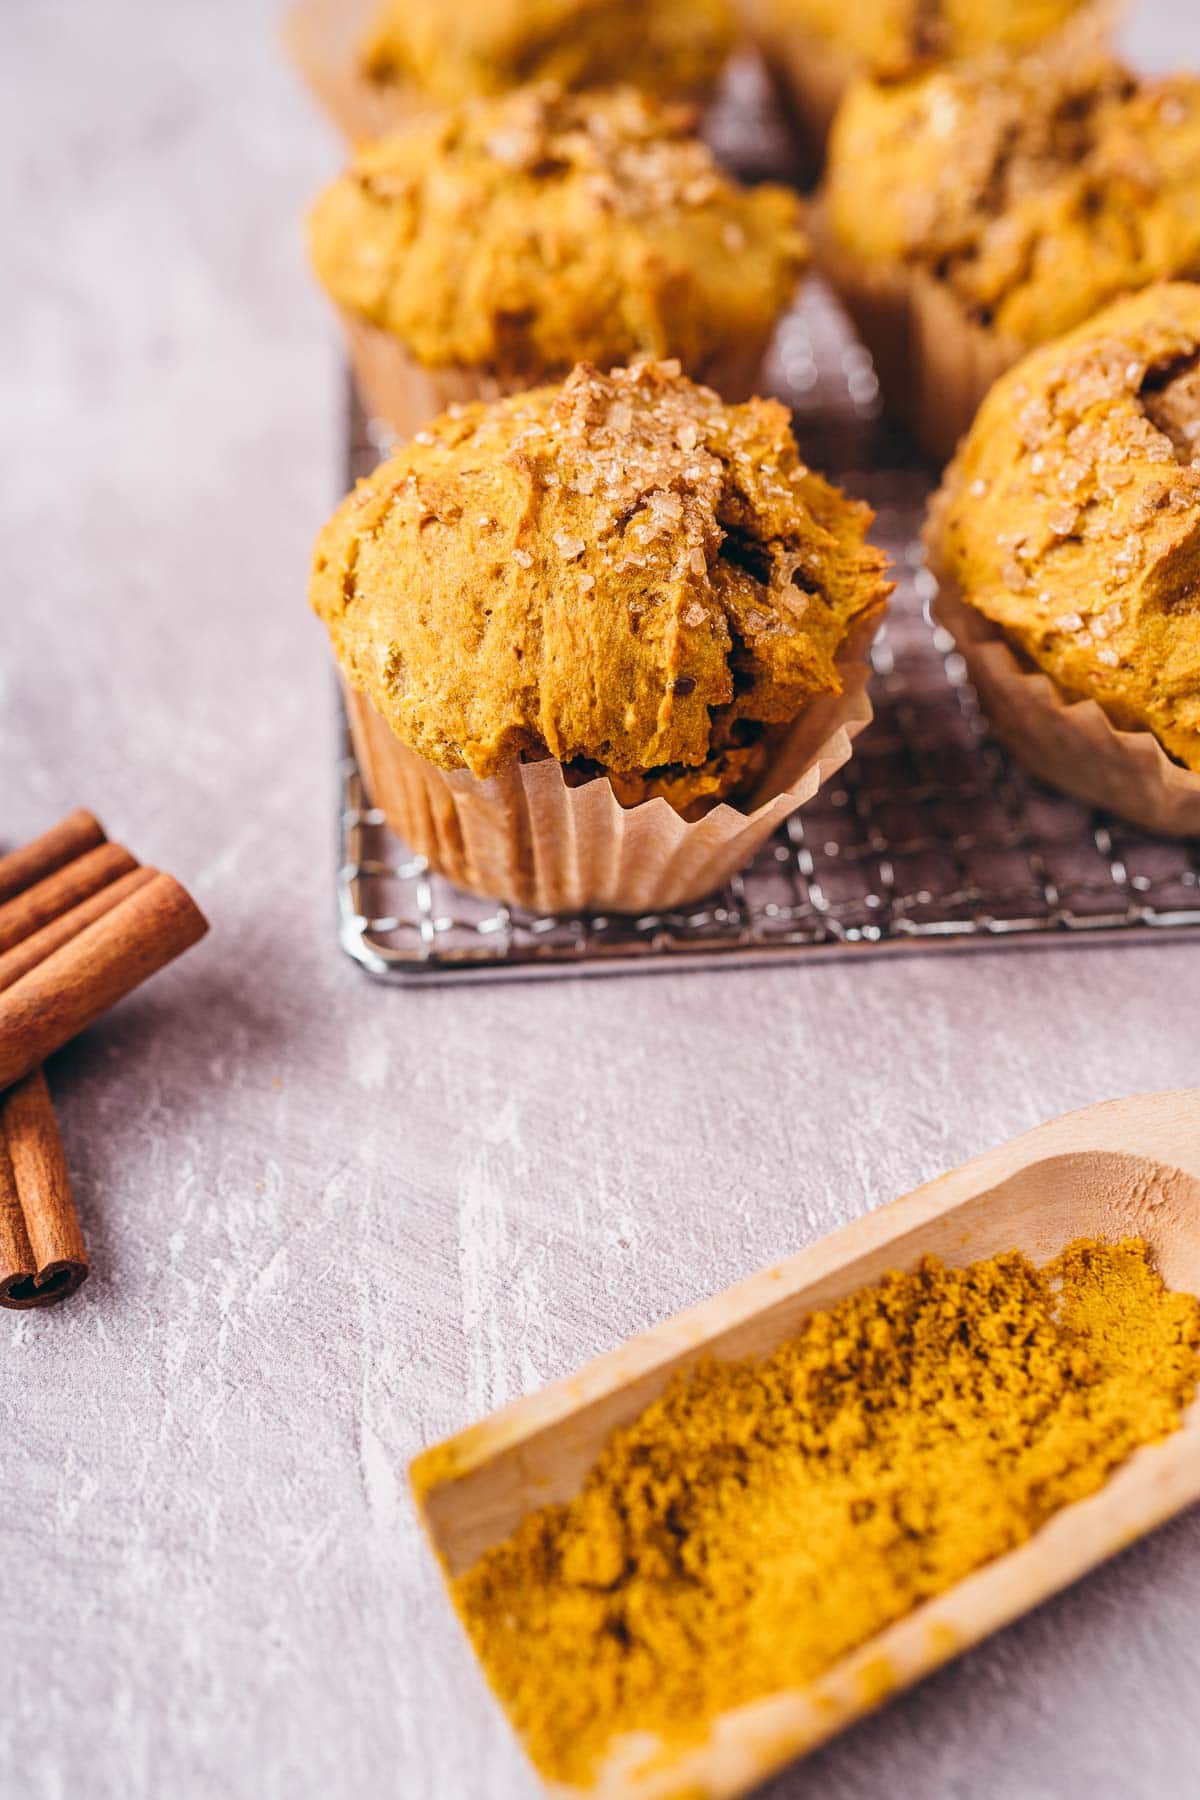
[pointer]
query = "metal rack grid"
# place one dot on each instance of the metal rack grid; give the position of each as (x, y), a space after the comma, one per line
(929, 838)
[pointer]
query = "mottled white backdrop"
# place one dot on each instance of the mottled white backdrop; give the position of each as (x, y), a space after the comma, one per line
(331, 1223)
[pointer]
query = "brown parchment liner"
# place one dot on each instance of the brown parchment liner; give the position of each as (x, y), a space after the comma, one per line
(527, 838)
(1070, 744)
(934, 361)
(322, 38)
(809, 73)
(403, 394)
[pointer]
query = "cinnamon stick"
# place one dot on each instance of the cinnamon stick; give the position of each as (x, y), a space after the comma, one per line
(50, 1004)
(70, 838)
(32, 950)
(36, 906)
(42, 1253)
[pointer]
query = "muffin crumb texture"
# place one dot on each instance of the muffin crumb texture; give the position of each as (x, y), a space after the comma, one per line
(1037, 190)
(1071, 517)
(454, 49)
(526, 234)
(620, 572)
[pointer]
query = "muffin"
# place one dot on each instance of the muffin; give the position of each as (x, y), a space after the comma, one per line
(816, 48)
(600, 638)
(377, 65)
(1067, 540)
(975, 213)
(492, 250)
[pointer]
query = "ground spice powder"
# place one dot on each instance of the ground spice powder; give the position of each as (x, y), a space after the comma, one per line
(763, 1518)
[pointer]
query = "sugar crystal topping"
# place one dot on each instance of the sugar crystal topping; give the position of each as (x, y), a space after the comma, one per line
(636, 603)
(1072, 514)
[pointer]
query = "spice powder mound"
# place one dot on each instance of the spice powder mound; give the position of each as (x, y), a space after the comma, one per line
(764, 1518)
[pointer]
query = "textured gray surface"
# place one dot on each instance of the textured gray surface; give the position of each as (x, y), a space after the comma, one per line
(330, 1223)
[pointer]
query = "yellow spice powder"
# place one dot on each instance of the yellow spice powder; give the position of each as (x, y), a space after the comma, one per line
(763, 1518)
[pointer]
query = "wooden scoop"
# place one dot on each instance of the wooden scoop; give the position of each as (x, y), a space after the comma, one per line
(1128, 1168)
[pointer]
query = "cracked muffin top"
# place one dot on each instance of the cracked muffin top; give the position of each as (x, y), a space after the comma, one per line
(1071, 516)
(621, 572)
(454, 49)
(529, 233)
(898, 37)
(1038, 190)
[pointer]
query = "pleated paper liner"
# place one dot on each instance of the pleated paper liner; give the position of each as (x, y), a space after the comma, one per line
(934, 361)
(1069, 744)
(809, 73)
(402, 394)
(323, 38)
(527, 838)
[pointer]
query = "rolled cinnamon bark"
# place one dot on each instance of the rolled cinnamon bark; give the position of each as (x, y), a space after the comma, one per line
(58, 998)
(32, 950)
(42, 1253)
(79, 832)
(36, 906)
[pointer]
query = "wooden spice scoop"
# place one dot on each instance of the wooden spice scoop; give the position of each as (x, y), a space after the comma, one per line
(1128, 1168)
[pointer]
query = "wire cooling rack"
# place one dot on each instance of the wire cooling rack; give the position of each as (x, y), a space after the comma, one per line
(930, 837)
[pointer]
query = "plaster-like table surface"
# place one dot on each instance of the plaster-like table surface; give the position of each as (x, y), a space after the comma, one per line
(331, 1223)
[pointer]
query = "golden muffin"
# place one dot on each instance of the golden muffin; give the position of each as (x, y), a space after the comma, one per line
(378, 65)
(497, 247)
(816, 48)
(1070, 523)
(976, 212)
(621, 576)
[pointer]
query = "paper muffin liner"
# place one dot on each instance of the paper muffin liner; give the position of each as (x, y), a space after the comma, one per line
(1069, 744)
(322, 37)
(809, 74)
(402, 394)
(527, 838)
(935, 363)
